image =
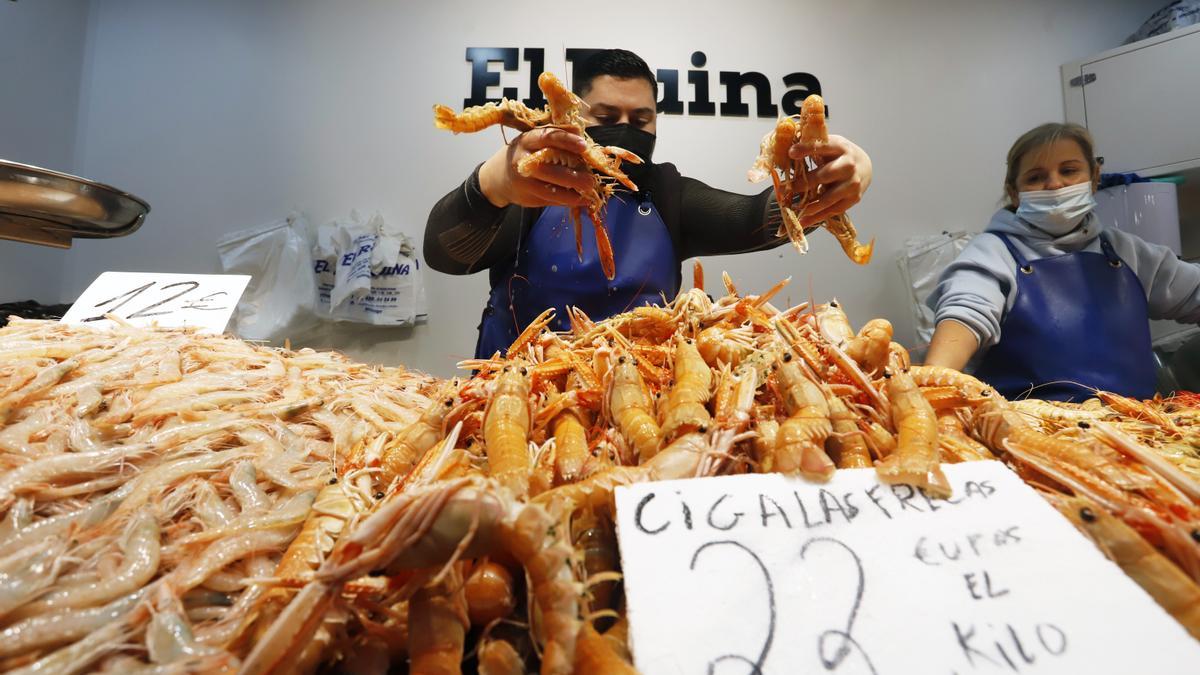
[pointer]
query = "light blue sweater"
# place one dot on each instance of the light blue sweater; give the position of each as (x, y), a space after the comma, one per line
(979, 287)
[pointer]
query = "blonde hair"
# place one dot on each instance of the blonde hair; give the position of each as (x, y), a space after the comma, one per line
(1037, 137)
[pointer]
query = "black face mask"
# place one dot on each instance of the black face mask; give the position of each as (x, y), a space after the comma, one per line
(640, 143)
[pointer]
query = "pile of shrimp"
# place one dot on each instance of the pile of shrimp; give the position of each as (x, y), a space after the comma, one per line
(148, 477)
(337, 517)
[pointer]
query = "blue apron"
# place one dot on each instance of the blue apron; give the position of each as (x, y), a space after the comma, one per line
(1079, 319)
(547, 271)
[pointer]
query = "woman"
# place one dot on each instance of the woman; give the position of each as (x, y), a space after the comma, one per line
(1050, 301)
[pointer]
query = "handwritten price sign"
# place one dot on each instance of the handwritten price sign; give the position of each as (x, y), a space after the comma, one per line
(173, 300)
(764, 574)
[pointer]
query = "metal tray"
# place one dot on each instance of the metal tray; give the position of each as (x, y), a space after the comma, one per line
(40, 206)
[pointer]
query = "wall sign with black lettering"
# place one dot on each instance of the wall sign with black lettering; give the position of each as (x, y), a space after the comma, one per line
(699, 96)
(205, 301)
(766, 574)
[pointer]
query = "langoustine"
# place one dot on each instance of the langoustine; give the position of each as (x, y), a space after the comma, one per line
(793, 189)
(563, 111)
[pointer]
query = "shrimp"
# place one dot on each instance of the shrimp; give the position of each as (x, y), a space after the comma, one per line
(847, 446)
(684, 407)
(506, 425)
(595, 654)
(139, 564)
(1060, 413)
(45, 379)
(498, 657)
(773, 161)
(429, 525)
(1138, 411)
(954, 443)
(718, 345)
(563, 111)
(437, 625)
(630, 407)
(813, 131)
(1166, 583)
(536, 539)
(28, 573)
(764, 443)
(1003, 429)
(399, 456)
(682, 458)
(513, 114)
(800, 441)
(938, 376)
(870, 348)
(915, 460)
(489, 593)
(571, 446)
(835, 325)
(1156, 463)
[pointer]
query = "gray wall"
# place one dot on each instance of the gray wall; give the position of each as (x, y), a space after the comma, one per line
(41, 62)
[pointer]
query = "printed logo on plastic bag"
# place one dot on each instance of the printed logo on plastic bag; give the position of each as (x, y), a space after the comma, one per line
(368, 272)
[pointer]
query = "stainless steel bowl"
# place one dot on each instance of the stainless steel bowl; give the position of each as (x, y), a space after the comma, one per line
(41, 206)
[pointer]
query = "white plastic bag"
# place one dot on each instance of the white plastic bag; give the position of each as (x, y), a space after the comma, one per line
(1177, 14)
(367, 272)
(921, 264)
(278, 303)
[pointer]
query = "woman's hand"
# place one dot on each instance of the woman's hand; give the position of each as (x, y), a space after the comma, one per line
(549, 185)
(845, 174)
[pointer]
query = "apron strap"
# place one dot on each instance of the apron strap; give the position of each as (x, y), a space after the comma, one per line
(1022, 263)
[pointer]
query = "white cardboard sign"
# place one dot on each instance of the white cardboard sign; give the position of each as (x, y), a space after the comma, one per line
(766, 574)
(205, 301)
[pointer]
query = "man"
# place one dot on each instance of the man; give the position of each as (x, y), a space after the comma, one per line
(519, 227)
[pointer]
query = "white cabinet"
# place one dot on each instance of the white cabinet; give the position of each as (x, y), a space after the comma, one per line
(1141, 103)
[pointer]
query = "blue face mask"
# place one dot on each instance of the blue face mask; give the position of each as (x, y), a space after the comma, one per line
(1056, 212)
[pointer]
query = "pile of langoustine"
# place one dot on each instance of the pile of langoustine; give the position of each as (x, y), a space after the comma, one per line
(258, 510)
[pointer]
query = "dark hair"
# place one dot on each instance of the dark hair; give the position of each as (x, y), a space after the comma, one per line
(619, 63)
(1038, 137)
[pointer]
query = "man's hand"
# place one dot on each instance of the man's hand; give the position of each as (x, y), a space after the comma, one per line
(844, 174)
(550, 184)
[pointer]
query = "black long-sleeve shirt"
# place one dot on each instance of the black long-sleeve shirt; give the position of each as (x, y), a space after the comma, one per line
(466, 233)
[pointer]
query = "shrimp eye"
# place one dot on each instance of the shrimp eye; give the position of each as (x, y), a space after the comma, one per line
(1087, 515)
(524, 370)
(378, 495)
(1084, 425)
(506, 369)
(1196, 536)
(621, 360)
(333, 481)
(689, 341)
(834, 304)
(787, 358)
